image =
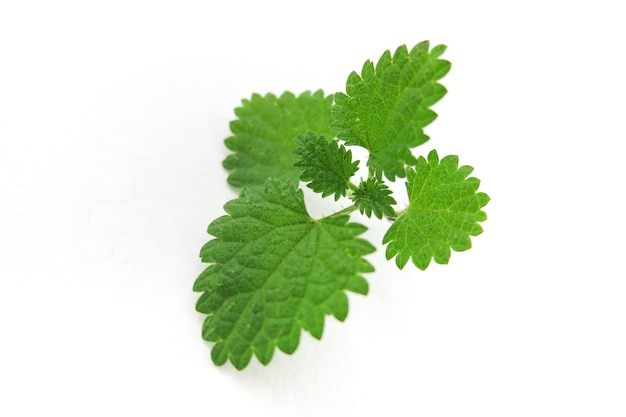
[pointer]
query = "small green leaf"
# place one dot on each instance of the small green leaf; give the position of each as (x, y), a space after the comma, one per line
(274, 272)
(373, 196)
(264, 131)
(327, 167)
(386, 108)
(444, 211)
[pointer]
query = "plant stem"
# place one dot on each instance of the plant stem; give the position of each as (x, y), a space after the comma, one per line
(347, 210)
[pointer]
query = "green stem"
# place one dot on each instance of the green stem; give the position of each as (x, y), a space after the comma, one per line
(347, 210)
(397, 214)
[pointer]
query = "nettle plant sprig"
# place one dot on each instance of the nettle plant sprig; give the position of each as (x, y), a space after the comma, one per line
(274, 269)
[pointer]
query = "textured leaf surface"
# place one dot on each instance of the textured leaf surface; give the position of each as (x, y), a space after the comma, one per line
(264, 133)
(274, 272)
(327, 167)
(386, 108)
(373, 196)
(444, 211)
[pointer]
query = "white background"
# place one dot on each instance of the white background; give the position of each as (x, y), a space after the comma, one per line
(112, 117)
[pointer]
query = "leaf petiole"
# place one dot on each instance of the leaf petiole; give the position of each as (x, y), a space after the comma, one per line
(344, 211)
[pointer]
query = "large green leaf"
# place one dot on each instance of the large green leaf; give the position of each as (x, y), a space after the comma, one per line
(274, 272)
(264, 133)
(387, 106)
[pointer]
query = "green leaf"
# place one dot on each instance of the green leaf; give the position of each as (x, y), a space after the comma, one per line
(264, 132)
(386, 108)
(274, 272)
(444, 211)
(327, 167)
(374, 196)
